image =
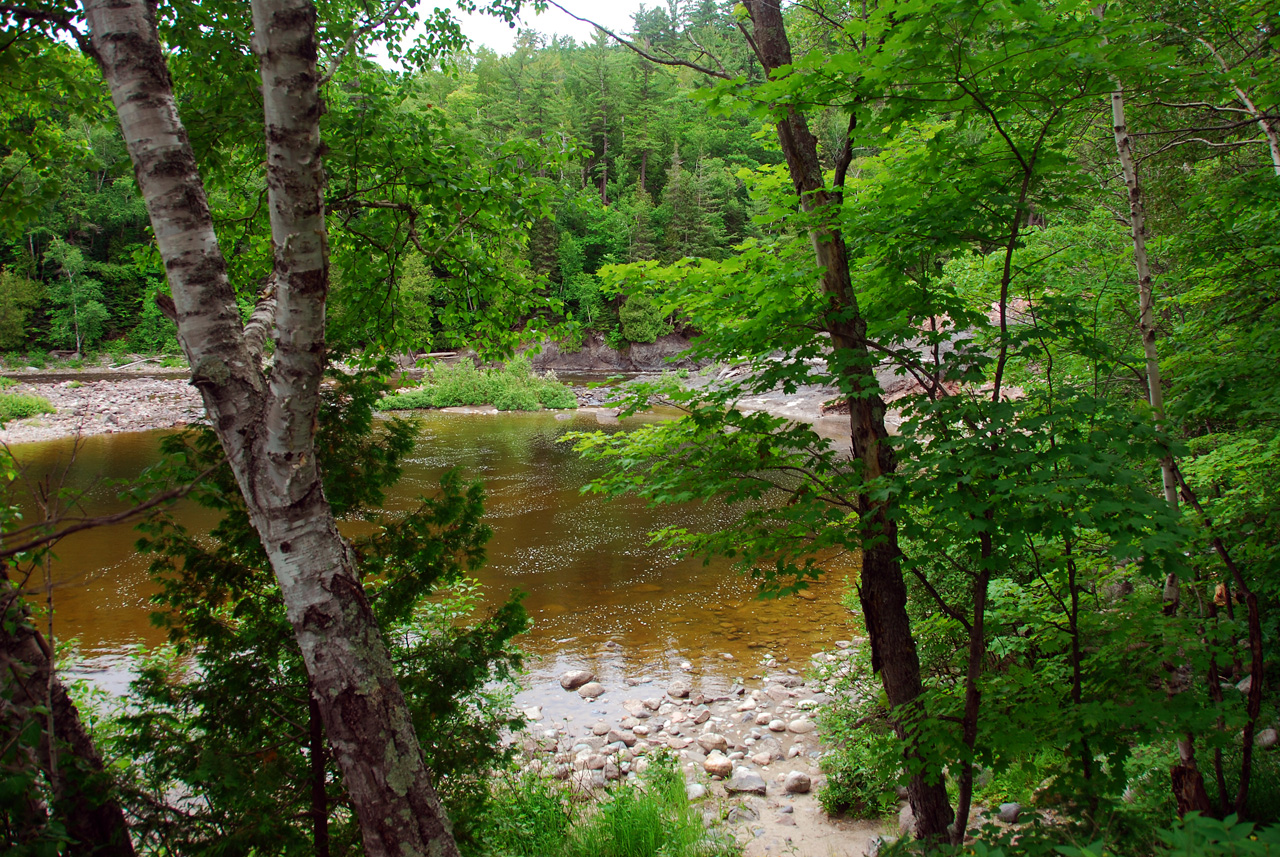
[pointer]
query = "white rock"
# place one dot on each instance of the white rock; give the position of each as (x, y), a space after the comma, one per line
(801, 726)
(777, 725)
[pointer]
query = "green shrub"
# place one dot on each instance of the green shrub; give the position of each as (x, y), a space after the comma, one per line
(516, 399)
(861, 774)
(532, 816)
(18, 296)
(419, 397)
(557, 397)
(513, 387)
(17, 406)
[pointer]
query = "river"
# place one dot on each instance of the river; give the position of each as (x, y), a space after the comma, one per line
(601, 596)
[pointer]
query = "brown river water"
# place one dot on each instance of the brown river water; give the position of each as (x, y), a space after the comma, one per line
(601, 596)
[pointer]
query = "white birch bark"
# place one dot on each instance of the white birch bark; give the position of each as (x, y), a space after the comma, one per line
(1146, 300)
(267, 425)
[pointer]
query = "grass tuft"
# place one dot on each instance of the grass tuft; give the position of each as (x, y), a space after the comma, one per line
(17, 406)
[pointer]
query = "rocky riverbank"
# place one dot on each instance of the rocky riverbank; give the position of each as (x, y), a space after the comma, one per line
(89, 404)
(750, 751)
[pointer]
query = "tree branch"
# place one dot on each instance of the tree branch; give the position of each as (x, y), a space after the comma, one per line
(82, 523)
(359, 33)
(59, 22)
(671, 59)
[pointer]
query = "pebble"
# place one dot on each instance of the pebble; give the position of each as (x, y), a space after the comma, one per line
(1009, 813)
(801, 726)
(679, 689)
(533, 713)
(1266, 739)
(777, 725)
(695, 791)
(717, 765)
(591, 690)
(796, 783)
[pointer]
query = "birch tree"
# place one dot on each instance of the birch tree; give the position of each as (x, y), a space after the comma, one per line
(265, 417)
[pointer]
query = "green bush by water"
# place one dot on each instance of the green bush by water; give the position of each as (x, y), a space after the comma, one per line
(533, 816)
(514, 387)
(17, 406)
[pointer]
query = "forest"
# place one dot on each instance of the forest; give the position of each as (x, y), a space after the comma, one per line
(1031, 248)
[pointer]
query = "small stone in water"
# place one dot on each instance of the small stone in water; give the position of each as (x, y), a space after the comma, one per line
(574, 679)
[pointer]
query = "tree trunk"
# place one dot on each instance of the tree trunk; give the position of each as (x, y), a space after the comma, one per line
(883, 593)
(1188, 782)
(266, 424)
(319, 794)
(81, 789)
(1146, 301)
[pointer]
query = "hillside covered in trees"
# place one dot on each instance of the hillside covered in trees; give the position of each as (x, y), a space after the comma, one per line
(1050, 230)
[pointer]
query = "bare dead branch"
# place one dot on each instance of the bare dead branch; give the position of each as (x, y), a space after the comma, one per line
(671, 59)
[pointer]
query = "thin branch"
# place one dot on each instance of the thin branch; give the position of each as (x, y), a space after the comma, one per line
(59, 22)
(360, 32)
(101, 520)
(946, 608)
(846, 158)
(671, 60)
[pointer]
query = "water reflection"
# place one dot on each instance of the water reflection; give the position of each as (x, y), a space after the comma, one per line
(591, 575)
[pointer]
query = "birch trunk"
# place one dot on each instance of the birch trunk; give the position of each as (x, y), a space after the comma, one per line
(267, 424)
(883, 592)
(1188, 782)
